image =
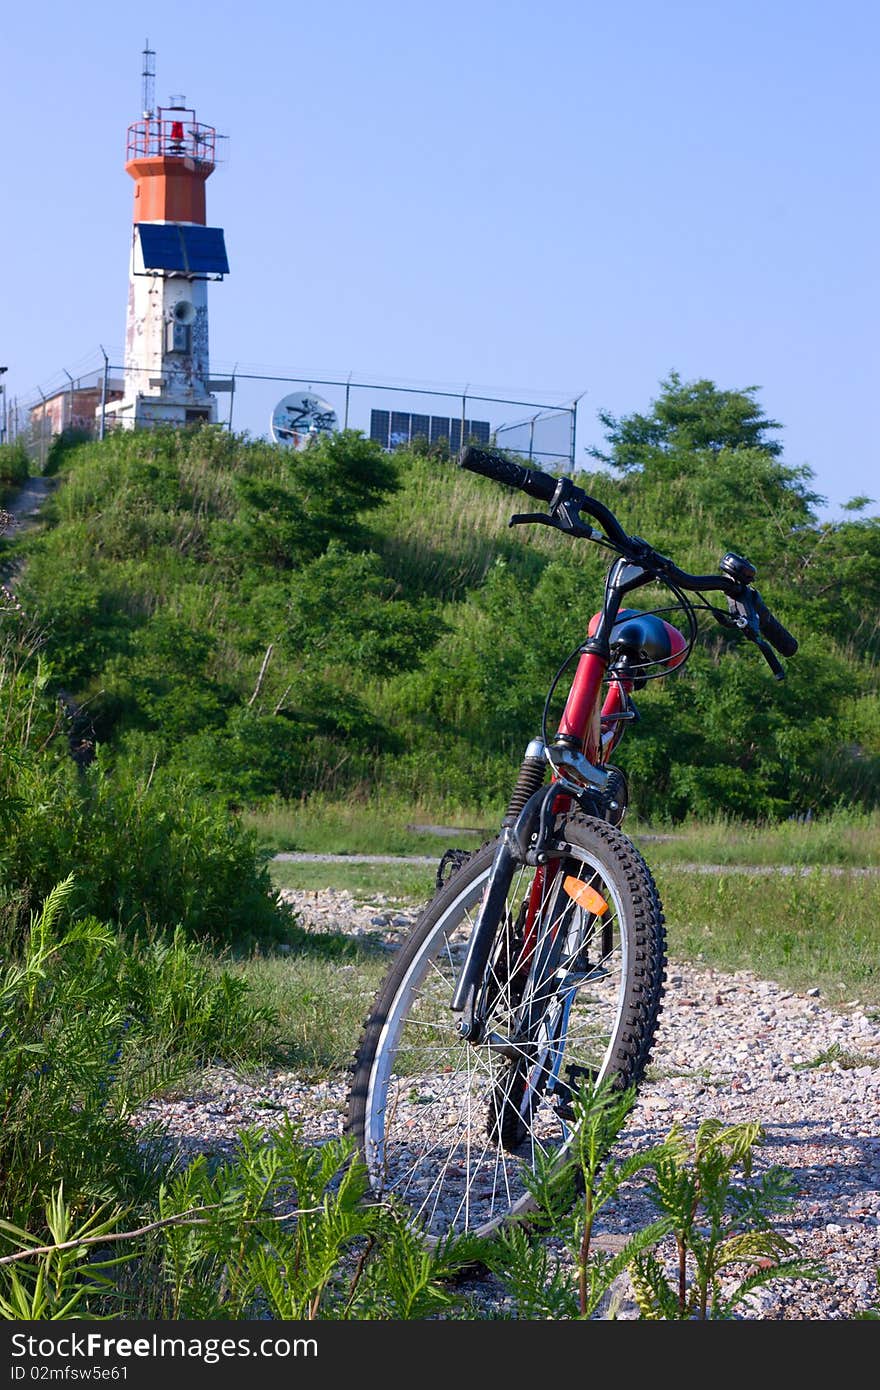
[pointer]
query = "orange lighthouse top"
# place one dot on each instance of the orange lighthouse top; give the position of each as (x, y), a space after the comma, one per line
(170, 155)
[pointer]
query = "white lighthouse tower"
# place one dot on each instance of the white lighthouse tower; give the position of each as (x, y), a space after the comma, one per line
(174, 254)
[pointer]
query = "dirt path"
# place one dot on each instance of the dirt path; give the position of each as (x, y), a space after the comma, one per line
(19, 513)
(23, 506)
(799, 870)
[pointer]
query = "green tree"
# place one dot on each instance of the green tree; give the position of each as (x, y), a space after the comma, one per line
(688, 417)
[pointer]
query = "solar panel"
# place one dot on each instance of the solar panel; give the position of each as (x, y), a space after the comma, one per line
(380, 421)
(399, 428)
(190, 249)
(205, 250)
(161, 246)
(439, 429)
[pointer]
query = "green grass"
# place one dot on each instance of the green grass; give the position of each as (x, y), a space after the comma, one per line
(319, 1003)
(443, 531)
(841, 838)
(803, 931)
(380, 825)
(365, 825)
(402, 883)
(14, 469)
(816, 929)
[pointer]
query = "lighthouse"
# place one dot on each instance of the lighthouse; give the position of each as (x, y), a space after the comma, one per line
(174, 254)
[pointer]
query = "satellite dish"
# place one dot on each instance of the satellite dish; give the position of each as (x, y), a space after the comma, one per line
(301, 417)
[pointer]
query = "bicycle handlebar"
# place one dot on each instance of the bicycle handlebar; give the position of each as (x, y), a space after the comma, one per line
(544, 487)
(504, 470)
(777, 635)
(572, 500)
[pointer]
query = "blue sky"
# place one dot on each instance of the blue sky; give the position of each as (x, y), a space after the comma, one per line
(539, 200)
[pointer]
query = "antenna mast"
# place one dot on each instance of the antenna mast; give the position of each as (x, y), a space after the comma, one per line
(148, 79)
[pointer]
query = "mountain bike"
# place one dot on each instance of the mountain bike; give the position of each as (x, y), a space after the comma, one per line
(537, 969)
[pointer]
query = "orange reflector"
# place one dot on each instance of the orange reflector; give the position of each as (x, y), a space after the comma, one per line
(585, 896)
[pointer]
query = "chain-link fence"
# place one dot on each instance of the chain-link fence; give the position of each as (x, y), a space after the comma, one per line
(67, 404)
(275, 405)
(398, 415)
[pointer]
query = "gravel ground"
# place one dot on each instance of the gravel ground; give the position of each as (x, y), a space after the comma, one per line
(731, 1046)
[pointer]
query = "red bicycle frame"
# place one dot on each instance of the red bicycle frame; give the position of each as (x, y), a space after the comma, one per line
(582, 717)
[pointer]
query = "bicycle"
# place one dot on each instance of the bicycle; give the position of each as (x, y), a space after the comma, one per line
(538, 966)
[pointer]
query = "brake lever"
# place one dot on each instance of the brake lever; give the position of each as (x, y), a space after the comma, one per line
(744, 617)
(771, 658)
(570, 523)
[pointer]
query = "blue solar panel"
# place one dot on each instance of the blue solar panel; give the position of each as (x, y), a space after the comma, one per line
(439, 429)
(205, 250)
(161, 246)
(192, 250)
(399, 429)
(380, 421)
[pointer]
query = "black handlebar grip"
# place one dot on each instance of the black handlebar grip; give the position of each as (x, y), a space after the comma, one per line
(504, 470)
(772, 629)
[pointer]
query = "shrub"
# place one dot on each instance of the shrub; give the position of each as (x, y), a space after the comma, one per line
(148, 848)
(14, 466)
(148, 853)
(89, 1026)
(64, 1115)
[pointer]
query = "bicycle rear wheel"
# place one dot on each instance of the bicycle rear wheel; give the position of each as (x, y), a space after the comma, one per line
(573, 993)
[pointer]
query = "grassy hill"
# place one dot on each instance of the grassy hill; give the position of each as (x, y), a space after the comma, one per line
(276, 624)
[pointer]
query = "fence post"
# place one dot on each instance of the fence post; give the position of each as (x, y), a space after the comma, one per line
(574, 416)
(462, 441)
(347, 395)
(231, 400)
(103, 425)
(69, 403)
(42, 431)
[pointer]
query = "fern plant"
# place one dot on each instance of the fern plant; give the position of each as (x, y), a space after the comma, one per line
(720, 1215)
(571, 1277)
(402, 1277)
(288, 1234)
(281, 1231)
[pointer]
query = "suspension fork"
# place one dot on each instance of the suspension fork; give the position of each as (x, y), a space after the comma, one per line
(579, 726)
(513, 850)
(530, 814)
(521, 843)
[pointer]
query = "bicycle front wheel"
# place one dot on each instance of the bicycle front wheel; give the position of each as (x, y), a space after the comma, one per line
(573, 993)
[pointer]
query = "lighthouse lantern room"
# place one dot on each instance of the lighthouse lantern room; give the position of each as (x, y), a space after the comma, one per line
(170, 155)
